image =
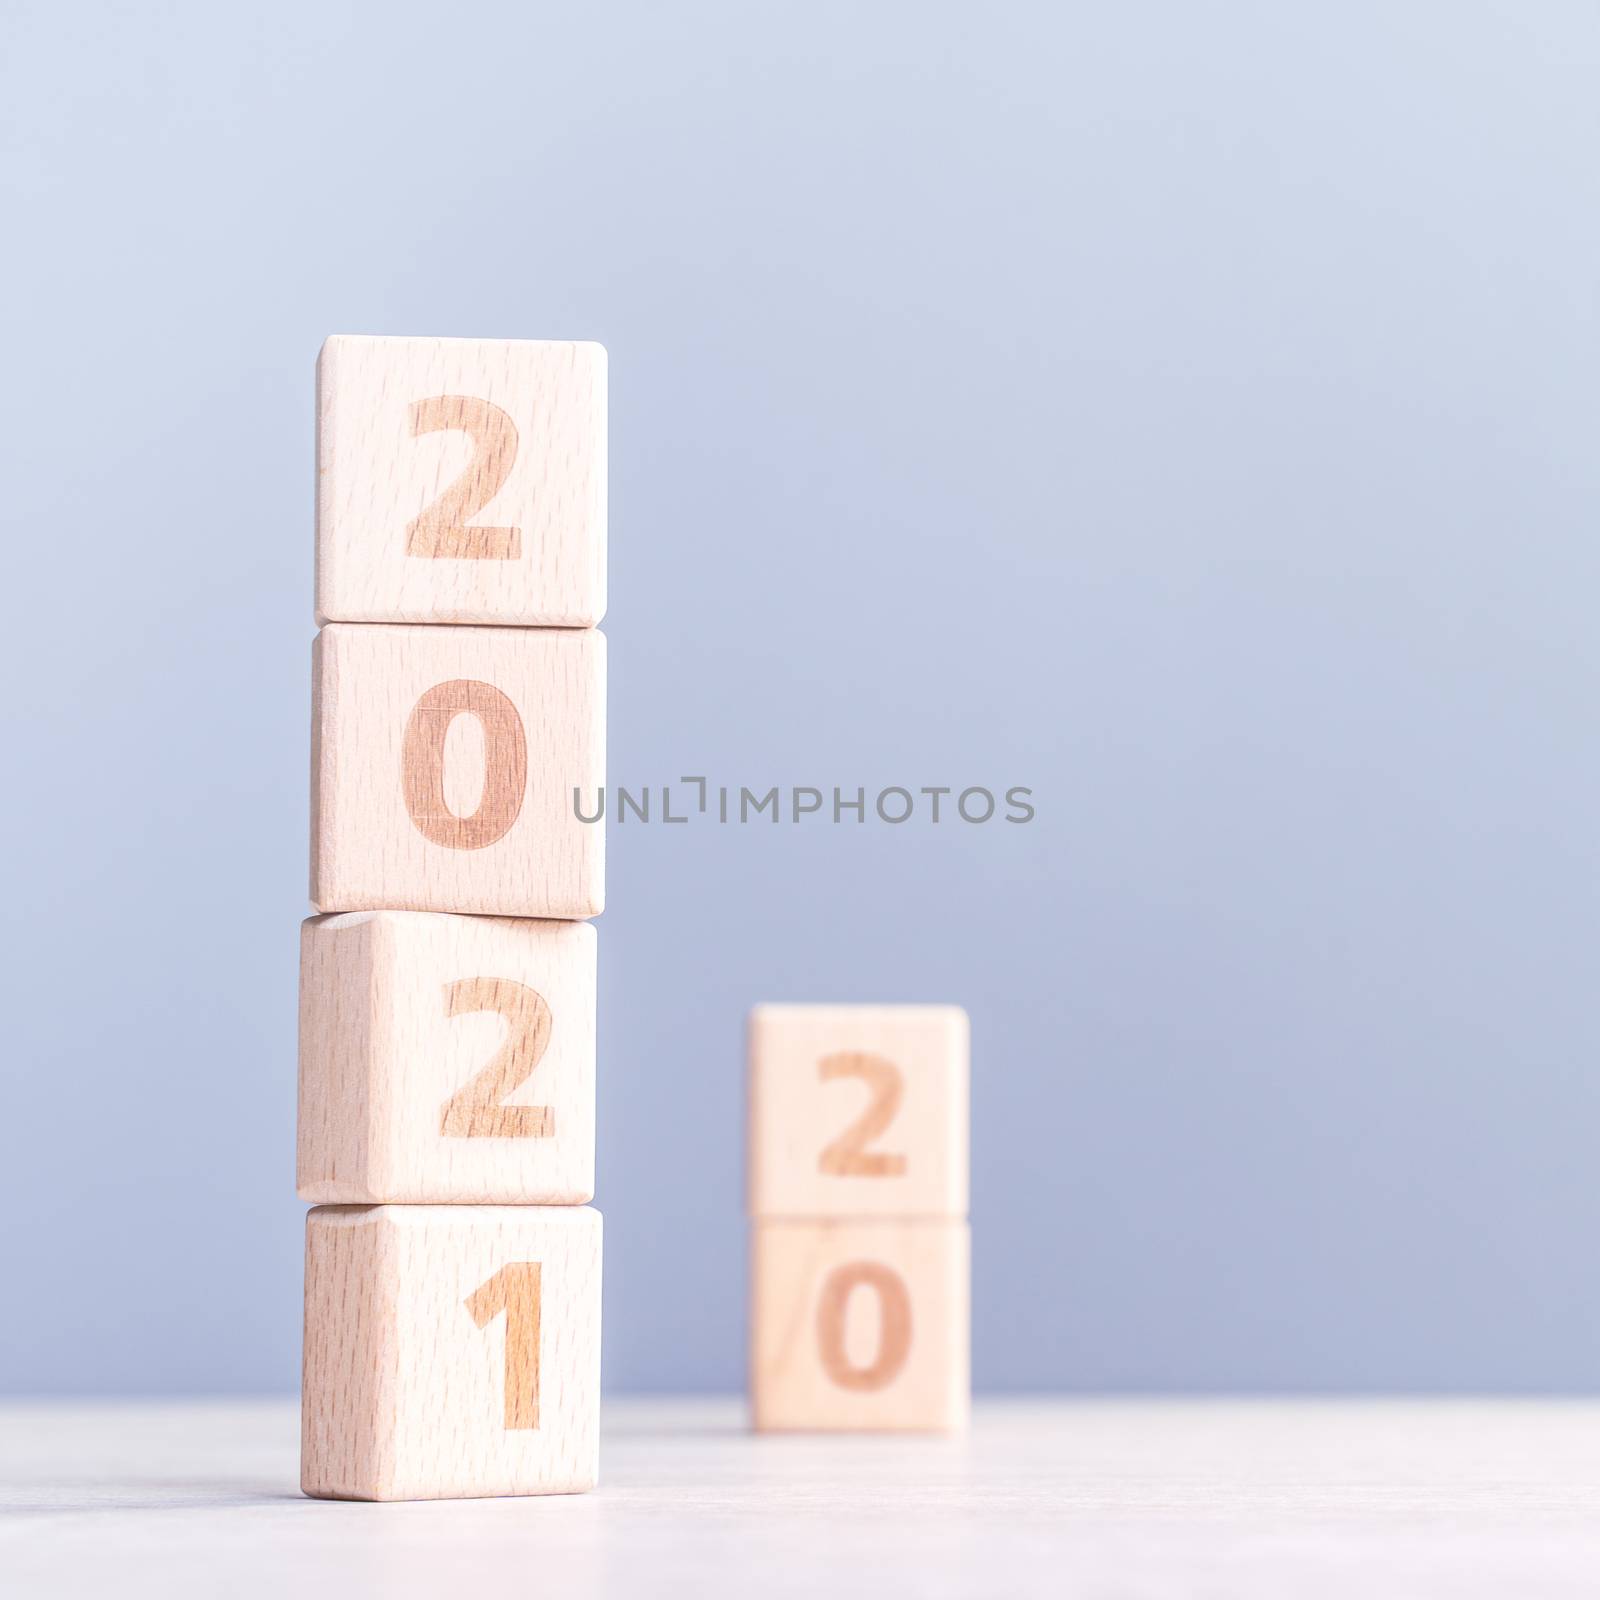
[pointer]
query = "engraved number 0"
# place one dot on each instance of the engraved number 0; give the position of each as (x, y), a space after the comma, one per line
(847, 1156)
(894, 1325)
(476, 1112)
(514, 1289)
(443, 528)
(505, 777)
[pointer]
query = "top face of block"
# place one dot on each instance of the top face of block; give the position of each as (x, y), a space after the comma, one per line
(461, 480)
(858, 1111)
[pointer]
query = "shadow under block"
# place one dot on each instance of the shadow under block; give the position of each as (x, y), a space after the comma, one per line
(450, 1351)
(858, 1111)
(860, 1325)
(461, 480)
(444, 766)
(446, 1059)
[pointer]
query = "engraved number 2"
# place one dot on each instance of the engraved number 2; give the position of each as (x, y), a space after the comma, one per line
(847, 1156)
(476, 1112)
(444, 529)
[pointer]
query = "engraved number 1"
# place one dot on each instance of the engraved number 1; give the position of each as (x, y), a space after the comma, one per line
(514, 1289)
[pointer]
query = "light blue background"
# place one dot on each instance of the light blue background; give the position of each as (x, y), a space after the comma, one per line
(1190, 411)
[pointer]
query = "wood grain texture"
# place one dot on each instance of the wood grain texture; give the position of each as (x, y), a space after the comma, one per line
(446, 1059)
(858, 1111)
(419, 1379)
(398, 764)
(461, 481)
(860, 1325)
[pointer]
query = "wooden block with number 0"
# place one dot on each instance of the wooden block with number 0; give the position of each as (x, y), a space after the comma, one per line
(858, 1110)
(446, 1059)
(450, 1351)
(860, 1325)
(450, 766)
(461, 480)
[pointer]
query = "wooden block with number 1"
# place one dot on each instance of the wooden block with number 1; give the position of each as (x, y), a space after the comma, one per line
(451, 1351)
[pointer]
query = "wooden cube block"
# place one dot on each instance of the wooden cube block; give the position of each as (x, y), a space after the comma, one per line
(860, 1325)
(461, 480)
(858, 1111)
(450, 1351)
(445, 763)
(446, 1058)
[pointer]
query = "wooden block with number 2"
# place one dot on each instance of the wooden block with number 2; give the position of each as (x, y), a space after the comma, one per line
(451, 1351)
(461, 480)
(446, 1059)
(858, 1110)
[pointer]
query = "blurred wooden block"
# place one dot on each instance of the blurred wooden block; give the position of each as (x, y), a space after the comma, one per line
(444, 765)
(450, 1351)
(858, 1111)
(461, 480)
(446, 1059)
(860, 1325)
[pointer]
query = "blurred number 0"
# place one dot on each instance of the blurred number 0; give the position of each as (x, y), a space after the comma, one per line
(894, 1325)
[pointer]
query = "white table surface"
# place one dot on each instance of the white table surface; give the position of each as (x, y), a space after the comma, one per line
(1291, 1500)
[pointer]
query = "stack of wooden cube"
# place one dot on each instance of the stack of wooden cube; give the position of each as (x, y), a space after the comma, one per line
(447, 1022)
(860, 1295)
